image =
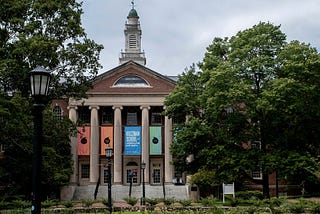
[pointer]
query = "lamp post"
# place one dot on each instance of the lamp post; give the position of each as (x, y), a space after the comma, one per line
(143, 166)
(109, 153)
(39, 79)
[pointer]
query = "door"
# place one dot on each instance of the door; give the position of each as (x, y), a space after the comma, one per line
(156, 173)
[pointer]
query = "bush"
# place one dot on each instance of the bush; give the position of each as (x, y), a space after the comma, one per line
(209, 201)
(48, 203)
(131, 200)
(87, 202)
(168, 201)
(185, 203)
(249, 195)
(67, 204)
(297, 208)
(152, 201)
(315, 208)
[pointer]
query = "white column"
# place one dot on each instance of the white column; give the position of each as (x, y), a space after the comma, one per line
(145, 141)
(168, 167)
(73, 116)
(94, 144)
(117, 145)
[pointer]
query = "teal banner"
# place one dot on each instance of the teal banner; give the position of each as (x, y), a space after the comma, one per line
(132, 140)
(155, 140)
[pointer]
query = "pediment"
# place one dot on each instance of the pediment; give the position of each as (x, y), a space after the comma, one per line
(131, 78)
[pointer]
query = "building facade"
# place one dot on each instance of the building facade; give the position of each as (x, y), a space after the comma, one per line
(123, 111)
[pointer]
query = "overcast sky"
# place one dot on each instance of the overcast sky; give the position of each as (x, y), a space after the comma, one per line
(175, 33)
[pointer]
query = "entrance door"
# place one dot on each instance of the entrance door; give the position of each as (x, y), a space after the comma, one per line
(156, 173)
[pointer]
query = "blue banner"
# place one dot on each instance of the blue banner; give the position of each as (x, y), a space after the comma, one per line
(132, 140)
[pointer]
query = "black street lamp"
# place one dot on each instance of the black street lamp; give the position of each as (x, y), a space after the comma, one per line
(143, 166)
(40, 79)
(109, 153)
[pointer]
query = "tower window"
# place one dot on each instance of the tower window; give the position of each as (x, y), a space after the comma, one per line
(132, 41)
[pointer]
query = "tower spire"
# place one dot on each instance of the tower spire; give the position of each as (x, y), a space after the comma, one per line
(132, 34)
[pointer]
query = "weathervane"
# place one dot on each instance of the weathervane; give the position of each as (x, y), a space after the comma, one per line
(132, 2)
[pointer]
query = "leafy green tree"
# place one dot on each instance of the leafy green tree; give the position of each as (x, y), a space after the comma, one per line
(17, 138)
(254, 87)
(49, 34)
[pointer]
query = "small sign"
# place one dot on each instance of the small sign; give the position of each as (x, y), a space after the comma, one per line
(228, 189)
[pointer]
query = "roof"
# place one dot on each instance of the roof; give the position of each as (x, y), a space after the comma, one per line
(133, 14)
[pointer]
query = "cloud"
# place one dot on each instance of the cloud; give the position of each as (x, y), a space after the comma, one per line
(175, 33)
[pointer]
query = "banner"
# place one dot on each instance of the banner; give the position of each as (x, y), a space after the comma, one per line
(83, 140)
(132, 140)
(106, 138)
(155, 141)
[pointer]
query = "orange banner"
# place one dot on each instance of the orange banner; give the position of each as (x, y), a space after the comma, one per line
(84, 140)
(106, 138)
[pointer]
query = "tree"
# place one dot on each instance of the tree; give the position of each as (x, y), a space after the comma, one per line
(242, 107)
(49, 34)
(17, 139)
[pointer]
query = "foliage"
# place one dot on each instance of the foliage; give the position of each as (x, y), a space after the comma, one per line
(16, 167)
(185, 203)
(48, 203)
(33, 33)
(87, 202)
(67, 204)
(152, 201)
(49, 34)
(131, 200)
(208, 201)
(246, 110)
(247, 195)
(168, 201)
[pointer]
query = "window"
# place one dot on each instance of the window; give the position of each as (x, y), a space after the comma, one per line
(257, 174)
(132, 41)
(84, 115)
(131, 81)
(132, 118)
(156, 118)
(85, 171)
(132, 175)
(156, 176)
(256, 145)
(106, 117)
(57, 113)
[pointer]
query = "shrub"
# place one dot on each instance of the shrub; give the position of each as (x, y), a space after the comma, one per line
(131, 200)
(67, 204)
(297, 208)
(48, 203)
(185, 202)
(152, 201)
(208, 201)
(168, 201)
(87, 202)
(247, 195)
(315, 208)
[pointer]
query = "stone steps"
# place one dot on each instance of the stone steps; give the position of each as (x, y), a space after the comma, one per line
(119, 192)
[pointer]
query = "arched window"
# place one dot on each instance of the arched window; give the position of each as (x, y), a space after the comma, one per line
(131, 81)
(57, 113)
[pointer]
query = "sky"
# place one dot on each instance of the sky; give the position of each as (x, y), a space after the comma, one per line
(175, 33)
